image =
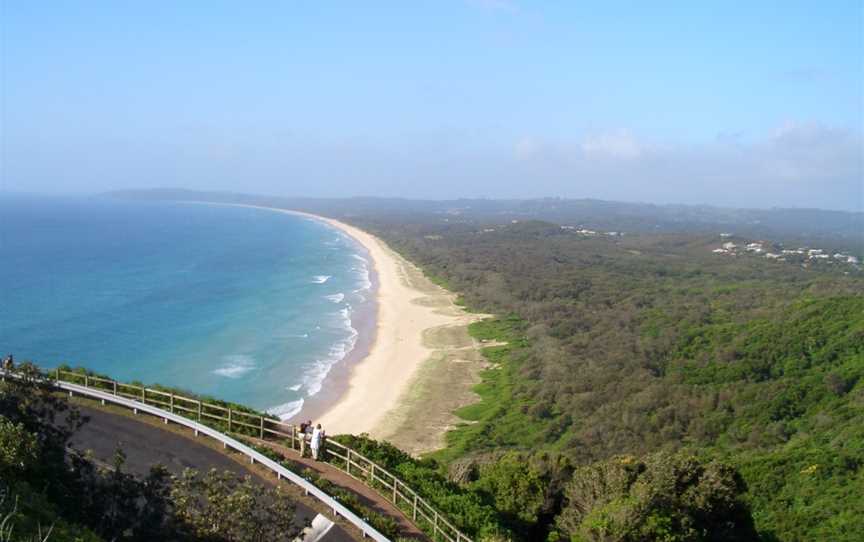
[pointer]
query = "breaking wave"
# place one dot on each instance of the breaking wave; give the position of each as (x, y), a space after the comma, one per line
(237, 365)
(286, 411)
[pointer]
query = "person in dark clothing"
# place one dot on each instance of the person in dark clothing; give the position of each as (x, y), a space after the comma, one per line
(305, 435)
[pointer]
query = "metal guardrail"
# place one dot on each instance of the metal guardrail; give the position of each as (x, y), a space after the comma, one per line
(199, 428)
(351, 462)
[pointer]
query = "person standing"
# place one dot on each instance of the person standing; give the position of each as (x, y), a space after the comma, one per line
(317, 438)
(304, 428)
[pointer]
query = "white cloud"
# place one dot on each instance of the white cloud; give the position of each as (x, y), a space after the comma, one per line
(618, 144)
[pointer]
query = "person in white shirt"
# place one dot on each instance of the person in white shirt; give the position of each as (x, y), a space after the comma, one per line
(317, 439)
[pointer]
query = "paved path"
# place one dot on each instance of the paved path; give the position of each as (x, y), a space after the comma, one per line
(145, 444)
(365, 494)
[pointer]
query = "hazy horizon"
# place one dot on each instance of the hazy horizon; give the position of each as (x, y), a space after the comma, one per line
(747, 106)
(110, 192)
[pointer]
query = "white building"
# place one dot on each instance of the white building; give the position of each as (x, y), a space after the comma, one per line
(754, 247)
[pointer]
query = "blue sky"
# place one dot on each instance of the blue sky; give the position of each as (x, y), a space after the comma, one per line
(733, 103)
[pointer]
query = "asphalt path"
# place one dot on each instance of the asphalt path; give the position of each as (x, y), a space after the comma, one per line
(145, 444)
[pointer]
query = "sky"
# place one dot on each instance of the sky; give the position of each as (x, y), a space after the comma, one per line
(744, 104)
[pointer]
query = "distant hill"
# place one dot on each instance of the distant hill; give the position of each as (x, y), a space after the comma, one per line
(832, 229)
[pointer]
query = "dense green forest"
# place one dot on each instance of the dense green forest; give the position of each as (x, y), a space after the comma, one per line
(642, 344)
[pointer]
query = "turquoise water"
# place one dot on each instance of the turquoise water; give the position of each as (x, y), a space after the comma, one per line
(245, 304)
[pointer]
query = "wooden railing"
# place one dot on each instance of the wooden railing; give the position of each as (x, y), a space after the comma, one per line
(200, 428)
(349, 461)
(420, 512)
(202, 411)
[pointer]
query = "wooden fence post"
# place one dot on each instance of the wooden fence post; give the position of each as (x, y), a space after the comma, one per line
(412, 498)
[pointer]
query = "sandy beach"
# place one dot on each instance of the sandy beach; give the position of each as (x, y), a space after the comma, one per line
(421, 364)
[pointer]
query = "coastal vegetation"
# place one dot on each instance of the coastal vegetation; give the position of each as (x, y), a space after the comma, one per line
(641, 345)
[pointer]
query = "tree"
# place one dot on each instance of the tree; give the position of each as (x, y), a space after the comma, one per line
(668, 497)
(515, 487)
(18, 447)
(222, 506)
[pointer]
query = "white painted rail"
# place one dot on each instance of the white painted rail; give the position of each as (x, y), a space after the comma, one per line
(281, 472)
(415, 508)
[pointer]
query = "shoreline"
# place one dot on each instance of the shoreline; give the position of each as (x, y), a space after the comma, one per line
(418, 335)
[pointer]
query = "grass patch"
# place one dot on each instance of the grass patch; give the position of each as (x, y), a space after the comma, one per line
(500, 417)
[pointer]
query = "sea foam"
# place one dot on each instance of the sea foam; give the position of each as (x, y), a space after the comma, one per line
(237, 365)
(362, 272)
(286, 411)
(316, 372)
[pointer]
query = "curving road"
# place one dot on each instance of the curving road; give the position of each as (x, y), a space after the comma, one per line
(146, 445)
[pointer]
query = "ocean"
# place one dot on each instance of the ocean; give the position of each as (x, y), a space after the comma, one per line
(247, 305)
